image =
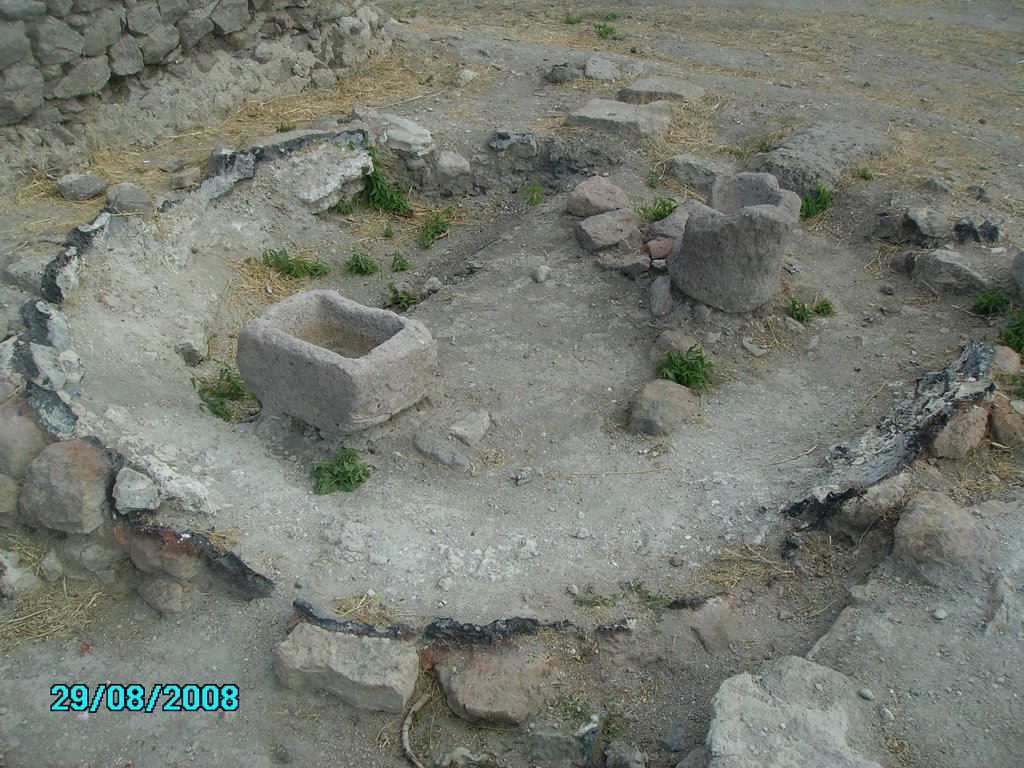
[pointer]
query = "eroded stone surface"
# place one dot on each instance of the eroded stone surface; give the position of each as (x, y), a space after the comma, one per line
(496, 687)
(819, 155)
(365, 672)
(650, 89)
(939, 541)
(624, 119)
(596, 195)
(662, 407)
(336, 364)
(66, 488)
(729, 256)
(793, 713)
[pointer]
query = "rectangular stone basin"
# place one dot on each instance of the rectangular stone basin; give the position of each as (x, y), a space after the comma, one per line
(334, 363)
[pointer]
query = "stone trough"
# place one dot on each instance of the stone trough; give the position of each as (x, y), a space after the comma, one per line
(336, 364)
(730, 252)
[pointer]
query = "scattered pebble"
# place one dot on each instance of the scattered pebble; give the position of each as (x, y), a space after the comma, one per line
(886, 714)
(581, 533)
(676, 561)
(940, 613)
(541, 273)
(888, 290)
(866, 694)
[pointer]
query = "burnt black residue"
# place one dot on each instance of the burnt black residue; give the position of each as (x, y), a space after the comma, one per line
(334, 623)
(451, 631)
(898, 440)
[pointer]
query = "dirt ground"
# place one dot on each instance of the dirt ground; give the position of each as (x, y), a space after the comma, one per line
(612, 521)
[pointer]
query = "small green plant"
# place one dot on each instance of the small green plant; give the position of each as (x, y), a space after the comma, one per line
(403, 298)
(435, 227)
(606, 31)
(1013, 334)
(382, 194)
(823, 308)
(653, 179)
(399, 262)
(389, 231)
(361, 264)
(734, 151)
(294, 266)
(285, 127)
(691, 369)
(589, 598)
(816, 204)
(991, 303)
(572, 18)
(866, 174)
(533, 193)
(344, 471)
(225, 396)
(654, 603)
(661, 208)
(799, 310)
(610, 16)
(1016, 385)
(345, 208)
(765, 145)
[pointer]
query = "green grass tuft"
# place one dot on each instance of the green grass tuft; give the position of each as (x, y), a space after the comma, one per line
(691, 369)
(1013, 334)
(402, 298)
(399, 262)
(572, 18)
(225, 396)
(389, 231)
(435, 227)
(344, 471)
(866, 174)
(361, 264)
(294, 266)
(661, 208)
(816, 204)
(533, 193)
(654, 178)
(823, 308)
(610, 16)
(798, 310)
(382, 194)
(606, 31)
(991, 303)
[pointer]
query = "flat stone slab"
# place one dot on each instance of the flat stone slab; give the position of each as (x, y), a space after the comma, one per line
(624, 119)
(494, 687)
(820, 154)
(366, 672)
(608, 230)
(793, 712)
(322, 176)
(334, 363)
(650, 89)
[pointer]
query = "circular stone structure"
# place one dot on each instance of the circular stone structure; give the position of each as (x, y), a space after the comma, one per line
(730, 252)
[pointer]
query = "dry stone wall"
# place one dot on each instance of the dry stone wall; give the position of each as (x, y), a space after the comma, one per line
(57, 55)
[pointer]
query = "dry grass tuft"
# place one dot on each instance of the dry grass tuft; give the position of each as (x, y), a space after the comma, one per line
(692, 128)
(985, 470)
(51, 612)
(747, 564)
(368, 609)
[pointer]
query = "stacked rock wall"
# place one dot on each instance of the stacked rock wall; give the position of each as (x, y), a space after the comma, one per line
(59, 55)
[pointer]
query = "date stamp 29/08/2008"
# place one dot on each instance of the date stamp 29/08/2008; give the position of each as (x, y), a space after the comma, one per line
(132, 697)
